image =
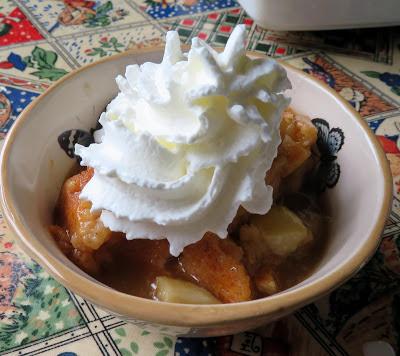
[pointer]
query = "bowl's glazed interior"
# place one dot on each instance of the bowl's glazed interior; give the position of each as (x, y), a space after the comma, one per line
(34, 168)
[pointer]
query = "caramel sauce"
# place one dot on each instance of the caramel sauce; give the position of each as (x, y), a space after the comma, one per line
(132, 266)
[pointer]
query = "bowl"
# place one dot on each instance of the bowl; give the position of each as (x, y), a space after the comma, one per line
(33, 168)
(295, 15)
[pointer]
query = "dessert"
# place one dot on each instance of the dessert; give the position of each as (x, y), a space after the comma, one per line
(193, 189)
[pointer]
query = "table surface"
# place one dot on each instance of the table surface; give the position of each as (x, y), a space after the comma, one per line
(42, 40)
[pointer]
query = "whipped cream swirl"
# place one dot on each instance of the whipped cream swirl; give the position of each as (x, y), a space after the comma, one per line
(186, 142)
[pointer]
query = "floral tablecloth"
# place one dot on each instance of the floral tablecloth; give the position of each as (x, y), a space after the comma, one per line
(42, 40)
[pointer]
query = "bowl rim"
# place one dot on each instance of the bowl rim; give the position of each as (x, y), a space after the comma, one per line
(189, 315)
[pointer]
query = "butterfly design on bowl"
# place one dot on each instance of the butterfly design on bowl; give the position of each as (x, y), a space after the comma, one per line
(329, 143)
(69, 138)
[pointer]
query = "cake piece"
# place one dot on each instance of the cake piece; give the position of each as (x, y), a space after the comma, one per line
(216, 265)
(298, 136)
(84, 227)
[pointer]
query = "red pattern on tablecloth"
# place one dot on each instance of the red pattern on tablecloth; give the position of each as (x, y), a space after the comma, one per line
(16, 28)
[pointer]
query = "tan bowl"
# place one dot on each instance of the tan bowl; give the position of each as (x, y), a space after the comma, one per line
(33, 167)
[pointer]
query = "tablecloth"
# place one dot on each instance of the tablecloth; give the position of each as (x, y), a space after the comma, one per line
(42, 40)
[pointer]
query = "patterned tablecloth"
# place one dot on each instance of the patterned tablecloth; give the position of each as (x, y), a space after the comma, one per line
(42, 40)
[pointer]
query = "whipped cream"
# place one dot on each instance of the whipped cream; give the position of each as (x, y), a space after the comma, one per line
(186, 142)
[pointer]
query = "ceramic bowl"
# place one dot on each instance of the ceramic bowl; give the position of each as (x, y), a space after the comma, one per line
(33, 168)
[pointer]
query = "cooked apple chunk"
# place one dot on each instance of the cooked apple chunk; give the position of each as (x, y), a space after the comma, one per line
(265, 281)
(273, 236)
(174, 290)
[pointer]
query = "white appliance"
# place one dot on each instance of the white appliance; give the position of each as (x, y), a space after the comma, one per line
(299, 15)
